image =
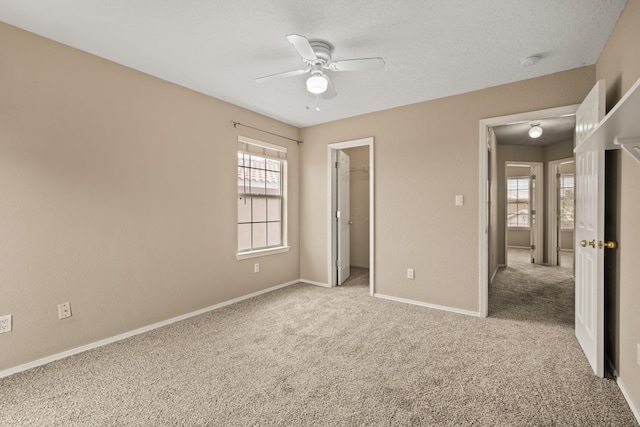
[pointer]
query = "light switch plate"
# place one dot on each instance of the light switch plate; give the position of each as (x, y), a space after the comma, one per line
(459, 200)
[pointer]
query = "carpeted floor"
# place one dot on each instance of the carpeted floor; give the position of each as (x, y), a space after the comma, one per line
(307, 355)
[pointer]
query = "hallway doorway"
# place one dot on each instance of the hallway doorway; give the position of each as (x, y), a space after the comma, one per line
(521, 146)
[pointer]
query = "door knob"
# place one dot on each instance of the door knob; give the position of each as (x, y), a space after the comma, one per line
(609, 245)
(592, 243)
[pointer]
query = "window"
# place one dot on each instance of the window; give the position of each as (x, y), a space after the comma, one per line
(261, 196)
(567, 201)
(518, 202)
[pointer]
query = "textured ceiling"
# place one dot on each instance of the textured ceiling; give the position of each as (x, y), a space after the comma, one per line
(432, 48)
(554, 130)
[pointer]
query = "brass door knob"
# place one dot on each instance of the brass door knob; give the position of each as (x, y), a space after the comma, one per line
(609, 245)
(592, 243)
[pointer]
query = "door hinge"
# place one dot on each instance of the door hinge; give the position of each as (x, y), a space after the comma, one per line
(337, 263)
(337, 165)
(338, 214)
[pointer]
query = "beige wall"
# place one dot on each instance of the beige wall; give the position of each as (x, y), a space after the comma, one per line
(425, 154)
(619, 64)
(359, 206)
(118, 195)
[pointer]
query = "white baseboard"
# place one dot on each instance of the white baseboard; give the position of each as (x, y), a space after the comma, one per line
(311, 282)
(498, 267)
(425, 304)
(119, 337)
(634, 408)
(612, 369)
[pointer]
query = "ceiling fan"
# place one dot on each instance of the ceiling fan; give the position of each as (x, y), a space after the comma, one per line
(316, 54)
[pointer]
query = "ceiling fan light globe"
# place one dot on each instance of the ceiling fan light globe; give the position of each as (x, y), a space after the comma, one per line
(317, 84)
(535, 132)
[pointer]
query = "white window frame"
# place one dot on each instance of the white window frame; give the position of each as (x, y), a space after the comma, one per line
(264, 149)
(518, 227)
(573, 218)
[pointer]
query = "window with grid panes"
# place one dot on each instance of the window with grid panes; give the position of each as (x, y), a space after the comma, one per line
(567, 201)
(261, 175)
(518, 202)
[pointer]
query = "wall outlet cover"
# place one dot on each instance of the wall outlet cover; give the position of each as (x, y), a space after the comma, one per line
(5, 323)
(64, 310)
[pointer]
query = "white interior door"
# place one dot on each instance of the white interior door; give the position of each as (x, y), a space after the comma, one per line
(589, 229)
(533, 217)
(343, 217)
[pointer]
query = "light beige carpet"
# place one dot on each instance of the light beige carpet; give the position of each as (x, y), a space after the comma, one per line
(306, 355)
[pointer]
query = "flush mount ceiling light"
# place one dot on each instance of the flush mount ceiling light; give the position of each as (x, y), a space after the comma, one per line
(535, 130)
(530, 60)
(317, 83)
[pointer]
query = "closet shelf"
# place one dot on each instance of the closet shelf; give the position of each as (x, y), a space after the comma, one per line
(620, 128)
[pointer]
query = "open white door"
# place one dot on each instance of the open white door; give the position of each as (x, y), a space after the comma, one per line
(533, 207)
(589, 228)
(343, 217)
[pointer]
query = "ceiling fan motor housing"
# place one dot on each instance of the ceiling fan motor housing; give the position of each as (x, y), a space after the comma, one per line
(322, 50)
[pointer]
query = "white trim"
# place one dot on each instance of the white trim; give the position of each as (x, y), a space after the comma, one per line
(622, 388)
(552, 208)
(483, 220)
(331, 224)
(498, 267)
(251, 141)
(119, 337)
(536, 169)
(426, 304)
(262, 252)
(311, 282)
(627, 396)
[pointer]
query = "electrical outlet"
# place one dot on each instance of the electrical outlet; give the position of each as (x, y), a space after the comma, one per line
(64, 310)
(410, 274)
(256, 267)
(5, 323)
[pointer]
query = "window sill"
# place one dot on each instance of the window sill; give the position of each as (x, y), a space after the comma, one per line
(262, 252)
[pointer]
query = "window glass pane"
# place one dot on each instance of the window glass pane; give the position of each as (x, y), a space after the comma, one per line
(259, 209)
(259, 235)
(273, 165)
(259, 218)
(274, 233)
(257, 175)
(567, 201)
(244, 209)
(518, 202)
(273, 209)
(244, 237)
(272, 182)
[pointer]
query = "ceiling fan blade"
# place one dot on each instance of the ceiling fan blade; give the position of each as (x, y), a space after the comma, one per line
(303, 46)
(363, 64)
(285, 74)
(331, 91)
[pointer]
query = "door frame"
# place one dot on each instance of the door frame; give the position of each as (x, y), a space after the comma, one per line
(552, 207)
(483, 189)
(538, 229)
(331, 208)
